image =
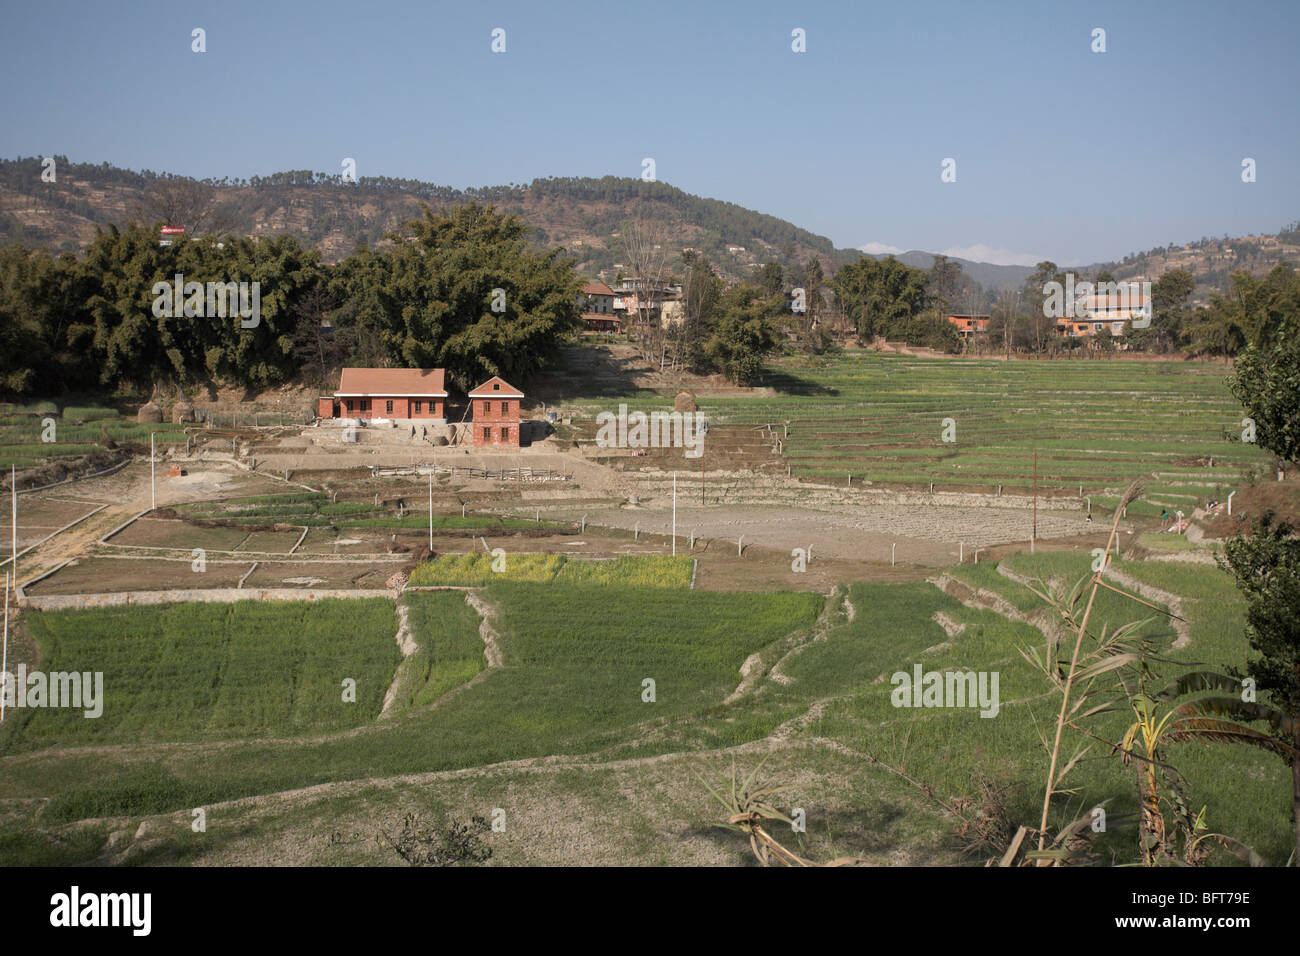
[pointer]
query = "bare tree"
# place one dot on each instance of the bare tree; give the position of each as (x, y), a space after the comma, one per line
(645, 244)
(185, 202)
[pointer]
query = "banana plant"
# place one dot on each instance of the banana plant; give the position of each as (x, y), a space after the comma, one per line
(1201, 706)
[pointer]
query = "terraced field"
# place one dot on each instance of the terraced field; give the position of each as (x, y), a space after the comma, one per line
(1095, 425)
(530, 697)
(77, 432)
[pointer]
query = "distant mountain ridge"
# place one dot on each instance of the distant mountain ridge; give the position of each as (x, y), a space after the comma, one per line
(582, 215)
(990, 276)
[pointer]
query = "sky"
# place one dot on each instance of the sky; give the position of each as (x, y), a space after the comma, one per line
(1060, 152)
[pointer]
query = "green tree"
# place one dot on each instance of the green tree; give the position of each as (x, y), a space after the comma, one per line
(1251, 314)
(1267, 383)
(465, 293)
(744, 333)
(1266, 566)
(944, 282)
(876, 293)
(1169, 296)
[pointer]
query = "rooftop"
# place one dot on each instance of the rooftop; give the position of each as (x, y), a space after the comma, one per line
(392, 381)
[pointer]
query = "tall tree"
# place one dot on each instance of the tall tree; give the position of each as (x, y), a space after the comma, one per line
(743, 334)
(645, 245)
(178, 201)
(771, 278)
(944, 282)
(467, 293)
(702, 291)
(813, 280)
(877, 293)
(1266, 566)
(1267, 383)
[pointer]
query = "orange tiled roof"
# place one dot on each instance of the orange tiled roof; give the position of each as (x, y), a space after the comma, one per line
(597, 288)
(393, 381)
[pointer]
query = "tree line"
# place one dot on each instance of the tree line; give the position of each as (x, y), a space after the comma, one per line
(460, 290)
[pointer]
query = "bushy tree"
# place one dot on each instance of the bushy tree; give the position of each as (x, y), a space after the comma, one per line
(1267, 383)
(744, 332)
(875, 293)
(1266, 566)
(465, 293)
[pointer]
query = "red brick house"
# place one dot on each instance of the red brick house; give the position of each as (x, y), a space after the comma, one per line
(495, 409)
(417, 393)
(969, 324)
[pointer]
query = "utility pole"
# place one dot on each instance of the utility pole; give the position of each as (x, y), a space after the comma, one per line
(1035, 494)
(431, 512)
(4, 668)
(674, 514)
(153, 479)
(701, 474)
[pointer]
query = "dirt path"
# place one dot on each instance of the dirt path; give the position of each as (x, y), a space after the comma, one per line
(491, 643)
(407, 645)
(820, 632)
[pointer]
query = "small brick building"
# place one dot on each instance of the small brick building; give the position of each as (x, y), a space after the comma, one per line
(494, 406)
(416, 393)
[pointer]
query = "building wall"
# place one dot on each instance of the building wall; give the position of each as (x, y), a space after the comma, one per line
(495, 434)
(500, 418)
(401, 407)
(325, 408)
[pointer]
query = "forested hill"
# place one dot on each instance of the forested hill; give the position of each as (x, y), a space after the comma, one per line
(581, 214)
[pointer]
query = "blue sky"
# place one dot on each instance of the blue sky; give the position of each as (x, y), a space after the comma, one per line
(1061, 153)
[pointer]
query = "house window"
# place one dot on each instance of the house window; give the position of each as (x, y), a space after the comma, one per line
(348, 404)
(365, 404)
(487, 434)
(419, 405)
(505, 408)
(388, 406)
(505, 434)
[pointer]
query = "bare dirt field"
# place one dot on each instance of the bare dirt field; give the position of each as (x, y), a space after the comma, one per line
(95, 575)
(929, 536)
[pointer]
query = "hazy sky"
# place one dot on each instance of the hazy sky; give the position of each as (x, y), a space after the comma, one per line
(1060, 152)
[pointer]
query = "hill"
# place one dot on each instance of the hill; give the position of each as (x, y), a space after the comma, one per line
(992, 277)
(584, 216)
(1212, 261)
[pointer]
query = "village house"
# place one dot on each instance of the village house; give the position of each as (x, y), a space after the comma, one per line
(494, 406)
(597, 305)
(1098, 312)
(366, 393)
(598, 298)
(970, 325)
